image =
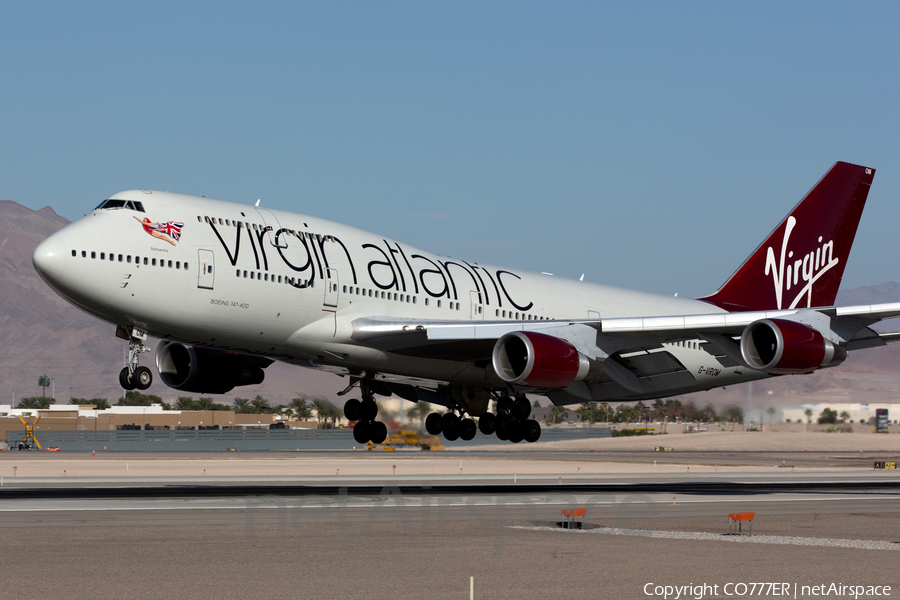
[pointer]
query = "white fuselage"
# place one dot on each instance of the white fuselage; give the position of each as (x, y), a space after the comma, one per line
(289, 286)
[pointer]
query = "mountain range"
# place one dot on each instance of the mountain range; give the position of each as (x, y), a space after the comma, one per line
(40, 333)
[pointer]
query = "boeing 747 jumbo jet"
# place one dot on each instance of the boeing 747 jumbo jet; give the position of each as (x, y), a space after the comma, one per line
(230, 288)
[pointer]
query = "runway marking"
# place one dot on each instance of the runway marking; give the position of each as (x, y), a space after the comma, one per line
(714, 537)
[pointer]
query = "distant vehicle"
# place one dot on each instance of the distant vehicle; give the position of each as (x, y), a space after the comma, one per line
(230, 288)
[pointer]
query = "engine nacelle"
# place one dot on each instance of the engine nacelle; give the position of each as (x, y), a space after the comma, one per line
(538, 360)
(779, 346)
(204, 371)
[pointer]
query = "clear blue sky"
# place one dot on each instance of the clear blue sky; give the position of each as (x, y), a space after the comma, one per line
(650, 145)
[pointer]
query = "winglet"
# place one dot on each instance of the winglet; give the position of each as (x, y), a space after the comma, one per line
(801, 263)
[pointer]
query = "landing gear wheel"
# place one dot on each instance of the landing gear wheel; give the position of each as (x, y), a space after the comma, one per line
(142, 378)
(352, 409)
(520, 409)
(532, 431)
(515, 433)
(124, 380)
(467, 429)
(450, 427)
(503, 406)
(433, 424)
(378, 431)
(487, 423)
(368, 410)
(361, 432)
(501, 430)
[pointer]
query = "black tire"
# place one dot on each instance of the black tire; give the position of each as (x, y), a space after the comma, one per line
(487, 423)
(451, 432)
(449, 421)
(521, 409)
(433, 424)
(503, 406)
(378, 431)
(368, 410)
(467, 429)
(352, 409)
(361, 432)
(532, 431)
(515, 435)
(124, 380)
(142, 378)
(501, 430)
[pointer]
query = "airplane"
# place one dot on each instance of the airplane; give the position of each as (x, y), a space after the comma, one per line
(229, 288)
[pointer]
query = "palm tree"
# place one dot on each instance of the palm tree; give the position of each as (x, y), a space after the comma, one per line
(45, 402)
(44, 381)
(260, 405)
(184, 403)
(322, 412)
(302, 408)
(100, 403)
(32, 402)
(205, 404)
(809, 413)
(241, 405)
(419, 411)
(771, 412)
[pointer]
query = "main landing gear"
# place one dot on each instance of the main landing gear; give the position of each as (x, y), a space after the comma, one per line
(364, 412)
(510, 423)
(134, 376)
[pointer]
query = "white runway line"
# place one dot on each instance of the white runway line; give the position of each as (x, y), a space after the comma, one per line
(714, 537)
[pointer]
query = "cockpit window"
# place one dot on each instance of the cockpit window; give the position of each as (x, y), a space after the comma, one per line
(113, 203)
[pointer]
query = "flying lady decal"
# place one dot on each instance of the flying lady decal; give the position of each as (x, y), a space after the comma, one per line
(169, 231)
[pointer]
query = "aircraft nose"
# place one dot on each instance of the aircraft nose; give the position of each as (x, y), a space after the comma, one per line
(49, 257)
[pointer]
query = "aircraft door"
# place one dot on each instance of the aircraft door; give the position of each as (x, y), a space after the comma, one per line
(476, 304)
(206, 272)
(331, 288)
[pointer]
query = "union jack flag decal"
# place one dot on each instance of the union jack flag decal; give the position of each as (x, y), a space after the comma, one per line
(168, 231)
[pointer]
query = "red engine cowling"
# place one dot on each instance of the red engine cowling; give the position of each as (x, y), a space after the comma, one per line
(204, 371)
(538, 360)
(779, 346)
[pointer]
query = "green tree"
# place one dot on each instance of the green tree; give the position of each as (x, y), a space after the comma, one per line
(44, 382)
(809, 414)
(589, 411)
(99, 403)
(242, 406)
(845, 416)
(136, 398)
(771, 412)
(31, 402)
(185, 403)
(828, 417)
(735, 414)
(45, 402)
(260, 405)
(205, 404)
(557, 414)
(302, 408)
(325, 410)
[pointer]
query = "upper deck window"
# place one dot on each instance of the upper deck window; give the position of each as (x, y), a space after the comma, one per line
(129, 204)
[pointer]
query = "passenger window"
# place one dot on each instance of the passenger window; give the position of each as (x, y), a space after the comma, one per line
(208, 268)
(345, 289)
(103, 256)
(426, 301)
(145, 261)
(199, 220)
(221, 222)
(439, 304)
(170, 264)
(83, 254)
(178, 264)
(279, 279)
(74, 253)
(245, 274)
(121, 258)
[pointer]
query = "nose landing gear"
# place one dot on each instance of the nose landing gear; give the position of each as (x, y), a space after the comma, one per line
(134, 376)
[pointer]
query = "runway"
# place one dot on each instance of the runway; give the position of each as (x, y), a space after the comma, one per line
(295, 533)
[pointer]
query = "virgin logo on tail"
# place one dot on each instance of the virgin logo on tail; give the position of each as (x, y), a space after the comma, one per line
(804, 270)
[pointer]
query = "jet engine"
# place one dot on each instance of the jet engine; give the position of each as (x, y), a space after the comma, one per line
(205, 371)
(779, 346)
(538, 360)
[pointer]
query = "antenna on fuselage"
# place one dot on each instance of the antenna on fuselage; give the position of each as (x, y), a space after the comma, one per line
(257, 201)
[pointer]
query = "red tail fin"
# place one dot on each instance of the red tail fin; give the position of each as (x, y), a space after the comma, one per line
(801, 263)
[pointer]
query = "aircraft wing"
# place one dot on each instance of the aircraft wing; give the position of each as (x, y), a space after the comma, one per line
(635, 353)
